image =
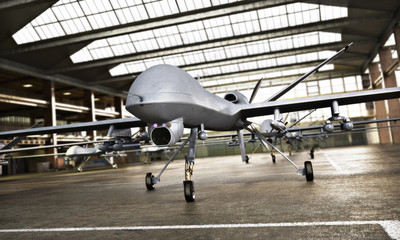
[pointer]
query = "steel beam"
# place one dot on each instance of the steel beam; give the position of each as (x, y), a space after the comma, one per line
(16, 3)
(39, 73)
(262, 35)
(169, 20)
(382, 39)
(242, 59)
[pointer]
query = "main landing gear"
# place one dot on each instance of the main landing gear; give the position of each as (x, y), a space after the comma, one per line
(306, 171)
(188, 187)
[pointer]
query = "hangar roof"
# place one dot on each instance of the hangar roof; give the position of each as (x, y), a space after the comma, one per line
(228, 44)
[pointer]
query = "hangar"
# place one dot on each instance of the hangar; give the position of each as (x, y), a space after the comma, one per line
(73, 61)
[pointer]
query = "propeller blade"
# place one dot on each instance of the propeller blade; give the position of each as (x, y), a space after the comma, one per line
(262, 142)
(286, 117)
(294, 124)
(256, 88)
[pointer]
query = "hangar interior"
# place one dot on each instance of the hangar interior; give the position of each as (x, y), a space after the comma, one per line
(68, 61)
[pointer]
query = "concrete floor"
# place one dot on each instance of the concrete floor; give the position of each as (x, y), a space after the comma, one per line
(355, 195)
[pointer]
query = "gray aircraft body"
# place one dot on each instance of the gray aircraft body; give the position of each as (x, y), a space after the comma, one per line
(181, 97)
(167, 99)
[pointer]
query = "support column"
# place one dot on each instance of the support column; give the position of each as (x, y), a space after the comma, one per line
(380, 106)
(372, 137)
(118, 103)
(50, 119)
(385, 55)
(91, 115)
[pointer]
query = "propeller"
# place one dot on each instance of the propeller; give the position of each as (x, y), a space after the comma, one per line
(256, 88)
(286, 117)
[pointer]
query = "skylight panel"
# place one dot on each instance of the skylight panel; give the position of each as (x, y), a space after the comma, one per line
(123, 49)
(218, 27)
(82, 56)
(144, 41)
(119, 70)
(194, 57)
(202, 4)
(152, 62)
(325, 54)
(167, 37)
(189, 5)
(214, 54)
(247, 66)
(327, 37)
(176, 60)
(229, 68)
(192, 32)
(306, 57)
(161, 8)
(258, 47)
(137, 66)
(209, 83)
(332, 12)
(286, 60)
(281, 43)
(212, 71)
(55, 29)
(266, 63)
(236, 50)
(219, 2)
(243, 23)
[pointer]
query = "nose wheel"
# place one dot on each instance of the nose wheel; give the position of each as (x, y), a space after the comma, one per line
(188, 189)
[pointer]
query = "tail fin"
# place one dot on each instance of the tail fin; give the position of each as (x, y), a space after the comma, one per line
(288, 88)
(253, 95)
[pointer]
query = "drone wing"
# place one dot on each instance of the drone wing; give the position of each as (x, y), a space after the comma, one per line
(293, 105)
(87, 126)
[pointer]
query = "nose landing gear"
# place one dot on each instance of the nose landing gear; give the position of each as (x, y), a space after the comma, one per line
(188, 187)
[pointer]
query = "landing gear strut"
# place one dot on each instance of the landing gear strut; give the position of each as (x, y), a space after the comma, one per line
(188, 187)
(312, 153)
(307, 170)
(273, 156)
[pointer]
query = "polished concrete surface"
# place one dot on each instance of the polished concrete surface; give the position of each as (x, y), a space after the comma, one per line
(355, 195)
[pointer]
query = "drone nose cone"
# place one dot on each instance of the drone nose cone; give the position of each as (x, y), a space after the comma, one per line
(161, 79)
(158, 93)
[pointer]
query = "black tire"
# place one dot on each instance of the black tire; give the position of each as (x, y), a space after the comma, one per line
(149, 182)
(309, 171)
(247, 159)
(188, 189)
(273, 158)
